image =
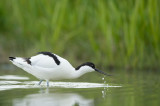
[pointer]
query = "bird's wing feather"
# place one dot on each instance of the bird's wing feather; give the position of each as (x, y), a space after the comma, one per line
(44, 61)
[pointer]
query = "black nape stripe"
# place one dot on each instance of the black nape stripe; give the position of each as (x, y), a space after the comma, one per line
(28, 61)
(86, 64)
(51, 55)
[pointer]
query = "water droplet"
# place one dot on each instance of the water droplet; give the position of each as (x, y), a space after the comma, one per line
(103, 93)
(103, 78)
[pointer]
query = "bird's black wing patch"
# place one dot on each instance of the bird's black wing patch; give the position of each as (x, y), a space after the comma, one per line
(51, 55)
(28, 60)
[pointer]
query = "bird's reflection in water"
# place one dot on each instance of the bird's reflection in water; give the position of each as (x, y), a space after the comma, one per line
(44, 98)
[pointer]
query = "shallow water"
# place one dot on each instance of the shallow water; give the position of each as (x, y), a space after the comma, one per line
(135, 88)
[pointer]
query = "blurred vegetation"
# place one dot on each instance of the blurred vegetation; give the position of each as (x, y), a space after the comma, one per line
(110, 33)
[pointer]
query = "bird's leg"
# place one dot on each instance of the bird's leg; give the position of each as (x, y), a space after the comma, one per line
(47, 83)
(40, 82)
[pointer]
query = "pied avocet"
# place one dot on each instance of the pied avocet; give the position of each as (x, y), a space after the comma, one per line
(48, 66)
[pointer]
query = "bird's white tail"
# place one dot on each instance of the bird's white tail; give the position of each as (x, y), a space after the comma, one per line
(20, 62)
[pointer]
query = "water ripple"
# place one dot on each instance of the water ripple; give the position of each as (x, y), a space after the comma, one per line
(5, 85)
(13, 77)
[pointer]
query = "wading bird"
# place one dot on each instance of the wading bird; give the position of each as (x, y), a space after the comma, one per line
(48, 66)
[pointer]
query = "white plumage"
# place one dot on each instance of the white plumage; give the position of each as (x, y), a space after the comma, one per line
(48, 66)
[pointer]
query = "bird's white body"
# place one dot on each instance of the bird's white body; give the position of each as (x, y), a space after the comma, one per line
(48, 66)
(44, 67)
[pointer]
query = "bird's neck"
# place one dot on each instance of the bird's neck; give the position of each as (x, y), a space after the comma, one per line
(80, 72)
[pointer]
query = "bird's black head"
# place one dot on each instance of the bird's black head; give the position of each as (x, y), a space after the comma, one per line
(90, 64)
(86, 64)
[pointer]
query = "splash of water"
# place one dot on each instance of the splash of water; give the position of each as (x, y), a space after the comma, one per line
(103, 79)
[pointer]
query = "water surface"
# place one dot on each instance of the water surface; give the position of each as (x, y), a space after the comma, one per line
(124, 88)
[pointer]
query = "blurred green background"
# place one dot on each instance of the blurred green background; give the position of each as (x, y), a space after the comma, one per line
(110, 33)
(114, 34)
